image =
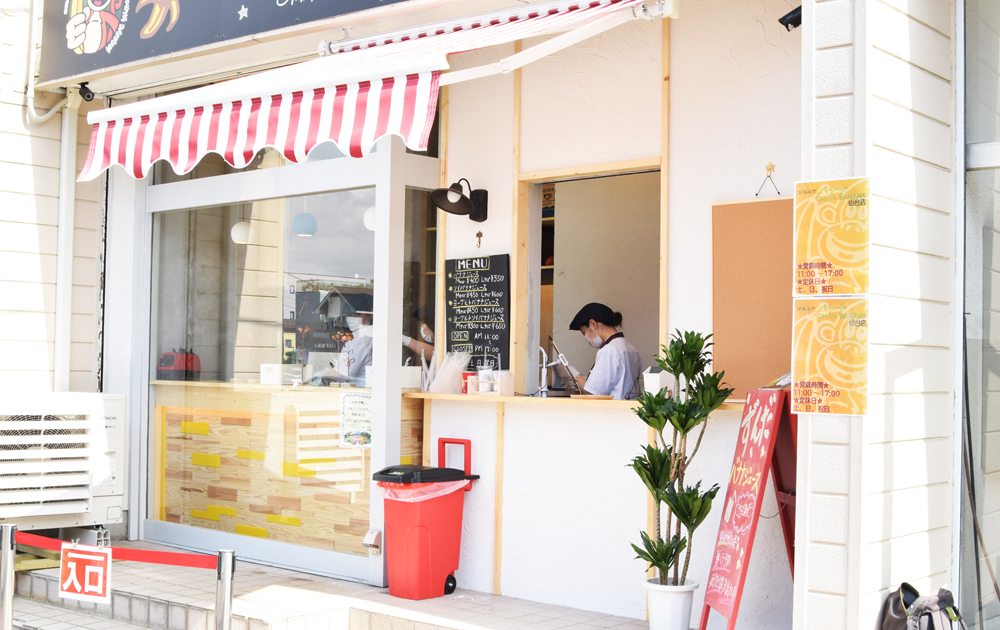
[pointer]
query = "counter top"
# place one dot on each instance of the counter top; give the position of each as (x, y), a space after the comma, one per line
(555, 400)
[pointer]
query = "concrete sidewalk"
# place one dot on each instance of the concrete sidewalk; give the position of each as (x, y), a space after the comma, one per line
(268, 598)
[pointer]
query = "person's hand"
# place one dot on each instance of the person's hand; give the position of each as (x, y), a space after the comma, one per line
(407, 340)
(573, 371)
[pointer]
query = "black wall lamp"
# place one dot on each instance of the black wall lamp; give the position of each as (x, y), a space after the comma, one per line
(453, 200)
(792, 19)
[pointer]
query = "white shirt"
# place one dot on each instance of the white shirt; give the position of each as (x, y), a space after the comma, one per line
(616, 370)
(357, 353)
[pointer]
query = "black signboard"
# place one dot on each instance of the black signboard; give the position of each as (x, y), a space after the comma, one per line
(478, 309)
(82, 36)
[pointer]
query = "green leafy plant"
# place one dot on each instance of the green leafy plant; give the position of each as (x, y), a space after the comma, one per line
(662, 466)
(691, 507)
(660, 554)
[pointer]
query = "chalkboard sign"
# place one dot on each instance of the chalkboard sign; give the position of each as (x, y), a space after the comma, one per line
(478, 309)
(765, 411)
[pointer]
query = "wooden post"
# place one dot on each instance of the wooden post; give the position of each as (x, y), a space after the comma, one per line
(440, 326)
(664, 328)
(498, 503)
(519, 252)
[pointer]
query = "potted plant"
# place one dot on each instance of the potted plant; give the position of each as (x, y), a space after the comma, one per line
(662, 467)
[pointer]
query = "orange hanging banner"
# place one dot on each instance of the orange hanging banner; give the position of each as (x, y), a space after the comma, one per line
(830, 356)
(831, 237)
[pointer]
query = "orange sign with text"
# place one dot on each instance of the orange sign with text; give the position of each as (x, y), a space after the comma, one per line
(830, 356)
(85, 573)
(831, 238)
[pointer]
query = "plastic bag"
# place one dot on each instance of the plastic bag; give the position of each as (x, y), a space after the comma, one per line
(417, 492)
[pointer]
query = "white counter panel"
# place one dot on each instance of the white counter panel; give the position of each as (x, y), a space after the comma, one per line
(477, 422)
(571, 508)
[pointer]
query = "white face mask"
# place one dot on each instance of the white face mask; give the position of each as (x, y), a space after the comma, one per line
(594, 341)
(354, 323)
(426, 334)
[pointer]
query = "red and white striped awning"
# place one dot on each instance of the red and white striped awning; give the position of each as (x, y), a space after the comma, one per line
(367, 90)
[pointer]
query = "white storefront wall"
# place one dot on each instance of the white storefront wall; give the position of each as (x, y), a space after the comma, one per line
(736, 99)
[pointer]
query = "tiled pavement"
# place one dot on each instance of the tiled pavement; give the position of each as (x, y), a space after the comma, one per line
(268, 598)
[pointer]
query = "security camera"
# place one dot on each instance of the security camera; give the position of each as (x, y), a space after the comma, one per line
(86, 93)
(792, 19)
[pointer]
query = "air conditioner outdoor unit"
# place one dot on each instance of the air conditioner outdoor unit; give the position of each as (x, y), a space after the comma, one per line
(62, 460)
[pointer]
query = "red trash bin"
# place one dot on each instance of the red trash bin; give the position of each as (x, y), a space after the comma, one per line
(423, 524)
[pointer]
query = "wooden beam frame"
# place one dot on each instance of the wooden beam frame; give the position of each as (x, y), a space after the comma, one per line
(442, 228)
(498, 502)
(518, 252)
(593, 170)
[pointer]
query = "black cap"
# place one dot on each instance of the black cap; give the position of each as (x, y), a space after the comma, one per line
(593, 311)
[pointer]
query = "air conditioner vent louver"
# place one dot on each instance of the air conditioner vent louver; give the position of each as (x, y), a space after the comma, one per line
(45, 464)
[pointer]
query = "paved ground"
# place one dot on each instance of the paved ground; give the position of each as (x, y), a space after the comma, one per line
(268, 598)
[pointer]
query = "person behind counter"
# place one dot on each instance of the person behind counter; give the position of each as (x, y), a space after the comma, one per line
(618, 364)
(425, 345)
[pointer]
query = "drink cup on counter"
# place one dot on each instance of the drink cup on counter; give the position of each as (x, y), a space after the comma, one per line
(485, 374)
(465, 381)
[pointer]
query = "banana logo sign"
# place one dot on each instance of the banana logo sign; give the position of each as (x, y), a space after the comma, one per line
(96, 25)
(160, 10)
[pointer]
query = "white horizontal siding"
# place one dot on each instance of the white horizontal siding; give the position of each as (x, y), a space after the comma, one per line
(29, 190)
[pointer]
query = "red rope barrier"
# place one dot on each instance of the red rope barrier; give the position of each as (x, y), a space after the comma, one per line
(170, 558)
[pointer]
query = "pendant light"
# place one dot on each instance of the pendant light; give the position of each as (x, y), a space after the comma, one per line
(453, 200)
(304, 224)
(241, 231)
(369, 218)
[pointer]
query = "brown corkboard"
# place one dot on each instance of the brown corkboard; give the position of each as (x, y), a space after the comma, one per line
(752, 291)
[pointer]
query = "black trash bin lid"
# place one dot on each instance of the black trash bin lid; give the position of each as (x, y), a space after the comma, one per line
(406, 473)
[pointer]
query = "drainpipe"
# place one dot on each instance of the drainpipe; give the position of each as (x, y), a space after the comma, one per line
(64, 246)
(67, 201)
(29, 71)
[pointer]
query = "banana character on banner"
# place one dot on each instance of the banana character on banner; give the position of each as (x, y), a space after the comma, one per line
(96, 25)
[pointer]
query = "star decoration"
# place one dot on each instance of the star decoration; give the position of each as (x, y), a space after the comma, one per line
(242, 12)
(770, 168)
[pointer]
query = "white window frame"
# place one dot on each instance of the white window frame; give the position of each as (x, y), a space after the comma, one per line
(391, 171)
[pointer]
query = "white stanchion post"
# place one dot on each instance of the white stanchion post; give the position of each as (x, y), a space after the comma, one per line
(223, 589)
(7, 544)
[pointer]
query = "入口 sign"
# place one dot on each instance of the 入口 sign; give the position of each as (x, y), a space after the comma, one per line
(85, 573)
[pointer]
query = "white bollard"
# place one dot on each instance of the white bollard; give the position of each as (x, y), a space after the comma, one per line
(7, 535)
(223, 589)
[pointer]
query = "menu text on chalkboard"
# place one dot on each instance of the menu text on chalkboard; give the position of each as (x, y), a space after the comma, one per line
(478, 309)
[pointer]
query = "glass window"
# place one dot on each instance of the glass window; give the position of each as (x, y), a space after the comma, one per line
(982, 308)
(419, 277)
(261, 335)
(578, 221)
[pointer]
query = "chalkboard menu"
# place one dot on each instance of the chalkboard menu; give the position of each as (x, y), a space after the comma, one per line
(478, 309)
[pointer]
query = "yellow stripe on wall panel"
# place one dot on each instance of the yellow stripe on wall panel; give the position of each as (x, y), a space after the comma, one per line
(208, 516)
(250, 454)
(250, 530)
(291, 469)
(194, 428)
(218, 509)
(204, 459)
(284, 520)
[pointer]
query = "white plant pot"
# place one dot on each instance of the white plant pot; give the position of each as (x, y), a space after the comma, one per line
(669, 606)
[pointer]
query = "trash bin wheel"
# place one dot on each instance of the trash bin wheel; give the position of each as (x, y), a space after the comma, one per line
(449, 585)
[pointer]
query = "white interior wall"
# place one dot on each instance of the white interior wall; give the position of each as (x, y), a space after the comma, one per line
(735, 104)
(596, 102)
(591, 215)
(734, 107)
(481, 149)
